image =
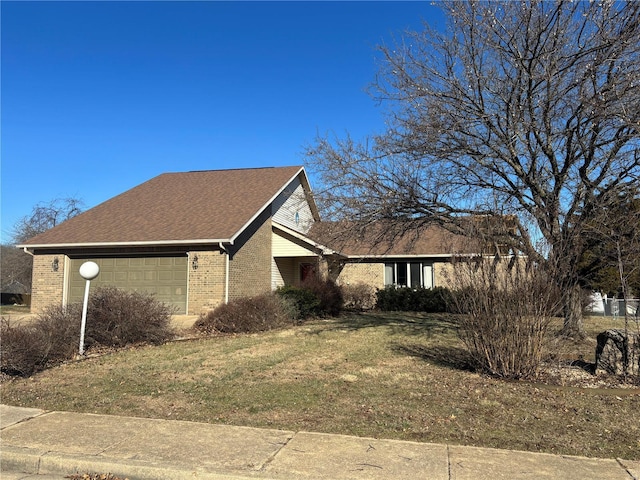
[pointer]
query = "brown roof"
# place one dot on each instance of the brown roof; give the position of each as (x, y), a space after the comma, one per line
(377, 239)
(176, 207)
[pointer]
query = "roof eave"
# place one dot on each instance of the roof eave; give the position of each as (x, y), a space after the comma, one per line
(155, 243)
(413, 255)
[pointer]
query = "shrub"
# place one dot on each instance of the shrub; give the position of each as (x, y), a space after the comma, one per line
(305, 301)
(506, 309)
(118, 317)
(358, 296)
(314, 298)
(51, 339)
(248, 315)
(115, 318)
(328, 293)
(430, 300)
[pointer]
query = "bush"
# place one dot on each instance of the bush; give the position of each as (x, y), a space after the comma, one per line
(506, 309)
(430, 300)
(248, 315)
(306, 303)
(115, 318)
(328, 293)
(49, 340)
(358, 296)
(314, 298)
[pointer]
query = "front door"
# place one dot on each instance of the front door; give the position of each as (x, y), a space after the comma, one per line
(307, 271)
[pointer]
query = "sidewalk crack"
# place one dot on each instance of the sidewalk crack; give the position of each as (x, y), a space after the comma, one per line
(270, 460)
(624, 467)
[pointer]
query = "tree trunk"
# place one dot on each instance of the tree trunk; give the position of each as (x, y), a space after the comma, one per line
(573, 324)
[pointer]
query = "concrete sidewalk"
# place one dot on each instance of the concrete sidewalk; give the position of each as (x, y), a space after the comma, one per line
(41, 445)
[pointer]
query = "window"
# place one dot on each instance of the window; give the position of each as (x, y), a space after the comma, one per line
(409, 274)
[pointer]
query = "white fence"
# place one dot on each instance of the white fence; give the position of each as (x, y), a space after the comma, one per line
(614, 307)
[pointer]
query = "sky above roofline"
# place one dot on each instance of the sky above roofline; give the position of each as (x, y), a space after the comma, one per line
(98, 97)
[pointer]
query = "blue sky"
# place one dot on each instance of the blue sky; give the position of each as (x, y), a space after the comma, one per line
(98, 97)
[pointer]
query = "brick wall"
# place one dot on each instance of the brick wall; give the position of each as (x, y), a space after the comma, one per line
(373, 273)
(250, 262)
(47, 285)
(207, 282)
(442, 274)
(361, 272)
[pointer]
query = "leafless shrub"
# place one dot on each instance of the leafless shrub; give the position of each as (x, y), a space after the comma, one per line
(506, 306)
(115, 318)
(358, 296)
(51, 339)
(118, 317)
(248, 315)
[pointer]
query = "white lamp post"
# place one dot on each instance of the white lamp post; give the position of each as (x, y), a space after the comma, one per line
(88, 271)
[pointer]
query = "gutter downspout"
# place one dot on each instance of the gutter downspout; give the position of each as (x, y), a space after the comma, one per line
(226, 273)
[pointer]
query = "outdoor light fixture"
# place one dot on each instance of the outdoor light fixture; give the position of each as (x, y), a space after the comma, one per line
(55, 264)
(88, 271)
(194, 262)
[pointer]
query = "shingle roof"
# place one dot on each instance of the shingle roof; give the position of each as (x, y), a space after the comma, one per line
(351, 239)
(175, 207)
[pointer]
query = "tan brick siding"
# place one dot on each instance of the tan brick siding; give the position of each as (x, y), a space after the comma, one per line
(360, 272)
(373, 273)
(206, 289)
(47, 285)
(250, 263)
(442, 274)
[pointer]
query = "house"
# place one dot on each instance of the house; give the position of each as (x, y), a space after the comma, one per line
(193, 239)
(202, 238)
(15, 293)
(382, 255)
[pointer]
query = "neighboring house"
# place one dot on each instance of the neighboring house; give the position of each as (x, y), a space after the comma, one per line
(199, 239)
(15, 293)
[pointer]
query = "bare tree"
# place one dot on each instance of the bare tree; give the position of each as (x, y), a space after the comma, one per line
(44, 216)
(529, 109)
(17, 265)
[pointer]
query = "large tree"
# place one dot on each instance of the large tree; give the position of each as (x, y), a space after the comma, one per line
(529, 109)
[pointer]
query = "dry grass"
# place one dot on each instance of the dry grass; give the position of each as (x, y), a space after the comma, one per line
(394, 375)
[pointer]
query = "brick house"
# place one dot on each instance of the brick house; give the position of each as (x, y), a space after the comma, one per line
(193, 239)
(199, 239)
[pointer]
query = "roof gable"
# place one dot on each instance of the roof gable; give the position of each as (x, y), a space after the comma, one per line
(187, 207)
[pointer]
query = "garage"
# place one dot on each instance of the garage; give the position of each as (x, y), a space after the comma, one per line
(163, 276)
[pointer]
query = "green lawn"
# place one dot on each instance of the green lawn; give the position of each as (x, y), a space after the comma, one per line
(402, 376)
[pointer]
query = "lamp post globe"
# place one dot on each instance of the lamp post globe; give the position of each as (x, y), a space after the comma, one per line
(89, 270)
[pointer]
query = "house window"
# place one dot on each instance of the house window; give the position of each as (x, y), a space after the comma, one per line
(401, 274)
(408, 274)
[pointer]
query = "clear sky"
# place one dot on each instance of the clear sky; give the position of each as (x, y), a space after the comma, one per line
(98, 97)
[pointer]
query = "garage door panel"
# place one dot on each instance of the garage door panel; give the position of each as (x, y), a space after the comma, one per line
(107, 276)
(164, 277)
